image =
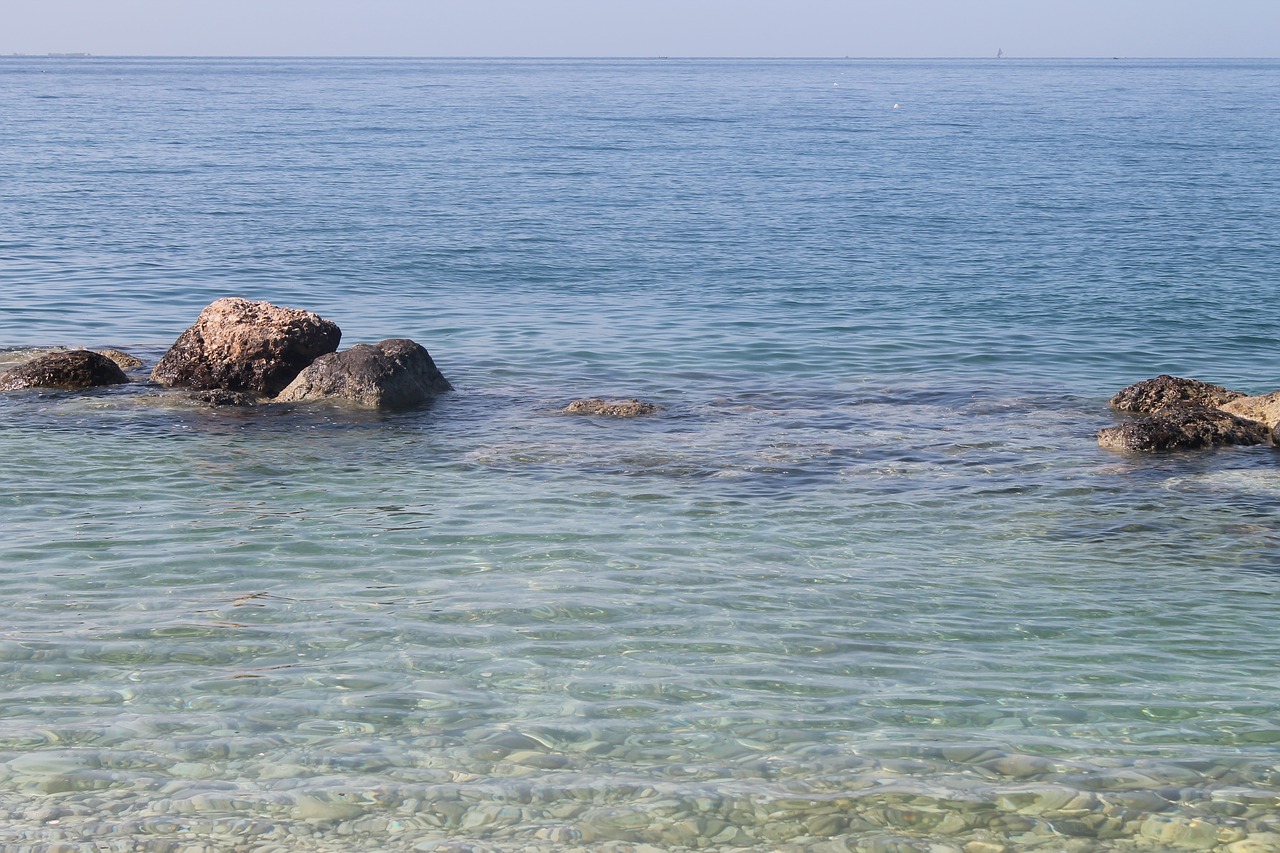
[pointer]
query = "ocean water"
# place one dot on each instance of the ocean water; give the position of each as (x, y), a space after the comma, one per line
(866, 584)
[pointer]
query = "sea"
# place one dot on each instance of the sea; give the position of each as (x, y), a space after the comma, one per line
(865, 583)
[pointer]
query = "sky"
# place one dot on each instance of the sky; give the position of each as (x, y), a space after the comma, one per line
(675, 28)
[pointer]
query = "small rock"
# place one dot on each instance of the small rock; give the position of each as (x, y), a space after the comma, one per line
(313, 808)
(122, 359)
(542, 760)
(1184, 427)
(72, 370)
(631, 408)
(1154, 395)
(223, 397)
(1178, 831)
(1258, 842)
(981, 846)
(825, 825)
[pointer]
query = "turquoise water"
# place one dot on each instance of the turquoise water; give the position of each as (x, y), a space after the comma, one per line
(867, 584)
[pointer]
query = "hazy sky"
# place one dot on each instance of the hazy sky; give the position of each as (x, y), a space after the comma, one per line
(874, 28)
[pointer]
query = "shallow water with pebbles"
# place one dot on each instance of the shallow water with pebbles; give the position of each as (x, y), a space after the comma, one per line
(731, 626)
(864, 582)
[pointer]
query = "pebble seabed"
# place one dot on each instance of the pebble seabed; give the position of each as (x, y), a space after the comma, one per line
(995, 801)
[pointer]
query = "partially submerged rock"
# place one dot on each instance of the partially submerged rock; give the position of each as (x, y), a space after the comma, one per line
(70, 370)
(1153, 395)
(238, 345)
(1184, 426)
(1264, 408)
(122, 359)
(391, 374)
(219, 397)
(631, 408)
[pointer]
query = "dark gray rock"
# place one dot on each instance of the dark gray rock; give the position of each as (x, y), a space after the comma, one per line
(631, 408)
(238, 345)
(391, 374)
(1184, 426)
(1153, 395)
(219, 397)
(71, 370)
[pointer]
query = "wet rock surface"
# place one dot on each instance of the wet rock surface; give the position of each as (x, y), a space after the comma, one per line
(392, 374)
(123, 360)
(71, 370)
(219, 397)
(1154, 395)
(1184, 427)
(1264, 408)
(629, 408)
(238, 345)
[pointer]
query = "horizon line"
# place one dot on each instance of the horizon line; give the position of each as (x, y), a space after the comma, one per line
(570, 57)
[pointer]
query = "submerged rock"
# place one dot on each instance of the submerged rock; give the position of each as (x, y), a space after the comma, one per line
(631, 408)
(71, 370)
(218, 397)
(1264, 408)
(238, 345)
(1154, 395)
(1184, 427)
(391, 374)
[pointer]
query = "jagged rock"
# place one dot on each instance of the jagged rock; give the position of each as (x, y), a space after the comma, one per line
(122, 359)
(1265, 408)
(1153, 395)
(391, 374)
(238, 345)
(71, 370)
(1183, 427)
(612, 408)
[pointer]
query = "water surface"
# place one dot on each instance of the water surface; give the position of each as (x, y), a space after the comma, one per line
(867, 583)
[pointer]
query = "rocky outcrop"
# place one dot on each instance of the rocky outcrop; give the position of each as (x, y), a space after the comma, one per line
(631, 408)
(391, 374)
(1184, 426)
(238, 345)
(1265, 409)
(70, 370)
(1153, 395)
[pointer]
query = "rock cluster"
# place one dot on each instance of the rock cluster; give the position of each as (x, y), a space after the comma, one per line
(1187, 414)
(239, 353)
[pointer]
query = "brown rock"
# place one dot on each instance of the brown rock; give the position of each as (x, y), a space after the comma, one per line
(1183, 427)
(1265, 408)
(122, 359)
(71, 370)
(391, 374)
(612, 408)
(240, 345)
(1152, 395)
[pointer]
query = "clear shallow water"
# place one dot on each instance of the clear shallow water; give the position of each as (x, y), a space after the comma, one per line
(868, 584)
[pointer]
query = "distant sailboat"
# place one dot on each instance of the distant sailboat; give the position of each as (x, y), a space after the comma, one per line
(1000, 53)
